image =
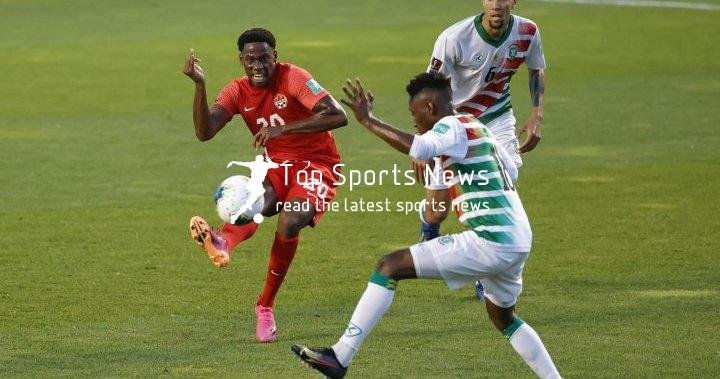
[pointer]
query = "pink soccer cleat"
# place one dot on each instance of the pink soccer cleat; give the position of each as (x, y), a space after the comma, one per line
(209, 240)
(265, 331)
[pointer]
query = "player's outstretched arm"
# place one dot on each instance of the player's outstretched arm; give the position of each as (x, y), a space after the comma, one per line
(361, 103)
(327, 115)
(533, 125)
(208, 121)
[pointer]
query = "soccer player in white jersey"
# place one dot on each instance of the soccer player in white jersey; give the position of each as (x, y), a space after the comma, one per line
(480, 54)
(494, 247)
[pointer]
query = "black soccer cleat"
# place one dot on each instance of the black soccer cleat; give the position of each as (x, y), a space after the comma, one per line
(321, 359)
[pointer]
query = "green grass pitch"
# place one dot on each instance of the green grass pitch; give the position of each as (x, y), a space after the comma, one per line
(101, 171)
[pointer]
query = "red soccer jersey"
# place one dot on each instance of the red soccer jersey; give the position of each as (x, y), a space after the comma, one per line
(290, 96)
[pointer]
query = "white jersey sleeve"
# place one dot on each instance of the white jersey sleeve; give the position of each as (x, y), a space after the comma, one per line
(535, 59)
(443, 56)
(447, 137)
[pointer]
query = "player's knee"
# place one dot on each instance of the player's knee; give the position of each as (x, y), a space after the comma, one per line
(500, 317)
(288, 226)
(385, 266)
(272, 204)
(290, 223)
(393, 265)
(500, 323)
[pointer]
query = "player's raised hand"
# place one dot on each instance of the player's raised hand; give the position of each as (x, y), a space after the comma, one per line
(192, 69)
(534, 134)
(358, 99)
(420, 166)
(264, 135)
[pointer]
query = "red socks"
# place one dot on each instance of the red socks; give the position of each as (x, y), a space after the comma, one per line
(281, 255)
(234, 234)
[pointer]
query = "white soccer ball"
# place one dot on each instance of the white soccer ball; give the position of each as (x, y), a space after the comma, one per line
(231, 196)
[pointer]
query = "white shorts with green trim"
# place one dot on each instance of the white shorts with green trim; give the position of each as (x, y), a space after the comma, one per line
(463, 258)
(503, 129)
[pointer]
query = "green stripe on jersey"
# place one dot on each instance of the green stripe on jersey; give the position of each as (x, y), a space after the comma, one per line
(502, 98)
(494, 184)
(489, 220)
(486, 118)
(485, 148)
(494, 202)
(486, 167)
(497, 202)
(497, 237)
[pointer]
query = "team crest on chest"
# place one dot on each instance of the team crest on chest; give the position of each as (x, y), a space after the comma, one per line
(281, 101)
(512, 51)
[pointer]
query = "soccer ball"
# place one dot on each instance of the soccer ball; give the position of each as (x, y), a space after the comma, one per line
(231, 195)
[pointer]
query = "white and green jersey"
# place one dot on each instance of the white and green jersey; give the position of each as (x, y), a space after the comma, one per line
(480, 68)
(481, 185)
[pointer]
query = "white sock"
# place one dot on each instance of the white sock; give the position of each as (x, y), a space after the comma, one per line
(527, 343)
(373, 304)
(344, 353)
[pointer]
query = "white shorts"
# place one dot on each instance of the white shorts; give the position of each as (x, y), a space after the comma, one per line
(503, 129)
(464, 257)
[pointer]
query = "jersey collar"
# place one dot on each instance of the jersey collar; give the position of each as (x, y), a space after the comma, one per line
(486, 37)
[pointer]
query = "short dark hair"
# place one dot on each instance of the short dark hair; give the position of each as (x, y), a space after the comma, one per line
(432, 79)
(256, 35)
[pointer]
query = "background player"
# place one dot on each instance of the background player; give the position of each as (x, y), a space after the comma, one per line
(495, 246)
(480, 54)
(290, 115)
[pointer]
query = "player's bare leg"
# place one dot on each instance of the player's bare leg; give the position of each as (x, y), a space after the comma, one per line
(281, 256)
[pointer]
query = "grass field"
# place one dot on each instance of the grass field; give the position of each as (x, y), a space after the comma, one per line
(101, 171)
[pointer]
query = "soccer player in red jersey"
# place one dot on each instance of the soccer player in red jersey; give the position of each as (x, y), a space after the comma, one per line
(290, 115)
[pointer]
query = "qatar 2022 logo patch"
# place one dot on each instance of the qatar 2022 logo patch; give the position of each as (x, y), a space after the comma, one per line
(314, 86)
(435, 64)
